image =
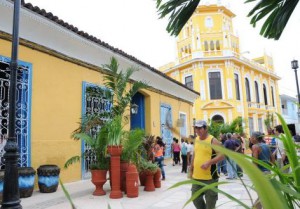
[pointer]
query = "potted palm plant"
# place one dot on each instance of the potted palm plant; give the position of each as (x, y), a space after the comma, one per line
(131, 152)
(116, 81)
(100, 163)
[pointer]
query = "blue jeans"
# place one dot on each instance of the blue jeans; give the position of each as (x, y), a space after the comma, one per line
(159, 161)
(231, 168)
(222, 167)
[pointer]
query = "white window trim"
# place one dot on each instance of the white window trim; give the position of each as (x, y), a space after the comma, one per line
(274, 90)
(222, 82)
(241, 91)
(267, 91)
(259, 90)
(250, 86)
(206, 23)
(240, 86)
(187, 75)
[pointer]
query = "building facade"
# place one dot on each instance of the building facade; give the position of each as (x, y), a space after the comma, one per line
(290, 112)
(57, 63)
(209, 61)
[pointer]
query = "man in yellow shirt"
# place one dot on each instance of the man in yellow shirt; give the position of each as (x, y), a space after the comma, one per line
(203, 167)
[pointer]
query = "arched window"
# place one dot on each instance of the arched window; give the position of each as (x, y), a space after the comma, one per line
(265, 94)
(256, 92)
(212, 45)
(248, 95)
(272, 92)
(218, 119)
(237, 86)
(218, 45)
(205, 45)
(209, 23)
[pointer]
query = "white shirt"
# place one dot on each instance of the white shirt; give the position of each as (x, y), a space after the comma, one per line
(280, 148)
(190, 149)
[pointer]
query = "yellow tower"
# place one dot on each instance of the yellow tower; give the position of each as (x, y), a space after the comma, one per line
(230, 86)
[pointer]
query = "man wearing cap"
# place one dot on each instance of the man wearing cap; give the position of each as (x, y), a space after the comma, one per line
(203, 167)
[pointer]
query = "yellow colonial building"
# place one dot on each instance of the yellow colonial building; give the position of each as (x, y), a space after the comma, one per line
(57, 63)
(209, 61)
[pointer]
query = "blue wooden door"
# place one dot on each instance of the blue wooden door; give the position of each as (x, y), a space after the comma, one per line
(165, 123)
(138, 120)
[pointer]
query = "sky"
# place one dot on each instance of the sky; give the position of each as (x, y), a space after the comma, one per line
(134, 27)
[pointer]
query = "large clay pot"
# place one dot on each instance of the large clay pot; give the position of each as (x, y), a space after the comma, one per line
(48, 178)
(26, 181)
(115, 153)
(99, 179)
(149, 184)
(132, 185)
(124, 166)
(157, 176)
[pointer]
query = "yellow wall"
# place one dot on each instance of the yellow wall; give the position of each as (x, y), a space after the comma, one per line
(57, 105)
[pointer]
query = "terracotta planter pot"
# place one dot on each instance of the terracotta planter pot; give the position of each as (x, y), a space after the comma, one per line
(99, 179)
(149, 184)
(157, 181)
(132, 185)
(142, 177)
(115, 152)
(124, 167)
(26, 181)
(48, 178)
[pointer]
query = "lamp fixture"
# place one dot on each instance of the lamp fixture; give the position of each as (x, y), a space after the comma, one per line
(134, 109)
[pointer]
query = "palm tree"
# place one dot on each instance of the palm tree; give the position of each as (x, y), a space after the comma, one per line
(120, 88)
(276, 13)
(117, 82)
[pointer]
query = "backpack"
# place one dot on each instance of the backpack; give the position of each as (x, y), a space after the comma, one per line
(184, 149)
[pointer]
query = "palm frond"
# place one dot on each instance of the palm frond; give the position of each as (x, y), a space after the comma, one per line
(71, 161)
(277, 14)
(68, 196)
(180, 12)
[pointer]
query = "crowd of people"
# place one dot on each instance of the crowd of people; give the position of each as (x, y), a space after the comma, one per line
(205, 165)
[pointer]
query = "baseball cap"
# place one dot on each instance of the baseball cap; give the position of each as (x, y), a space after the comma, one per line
(200, 123)
(257, 134)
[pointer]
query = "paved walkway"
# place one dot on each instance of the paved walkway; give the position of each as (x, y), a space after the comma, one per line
(81, 193)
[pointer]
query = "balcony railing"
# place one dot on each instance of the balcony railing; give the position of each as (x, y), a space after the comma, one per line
(255, 105)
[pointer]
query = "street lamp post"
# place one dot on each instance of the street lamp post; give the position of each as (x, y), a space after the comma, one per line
(295, 67)
(11, 195)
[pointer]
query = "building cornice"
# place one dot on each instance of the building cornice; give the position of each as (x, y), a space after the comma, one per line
(223, 58)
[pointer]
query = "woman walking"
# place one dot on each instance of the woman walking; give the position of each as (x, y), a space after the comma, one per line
(159, 157)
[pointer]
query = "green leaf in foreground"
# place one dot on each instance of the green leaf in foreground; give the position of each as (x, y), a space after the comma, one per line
(67, 194)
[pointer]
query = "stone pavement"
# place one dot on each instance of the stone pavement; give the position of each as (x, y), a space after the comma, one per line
(81, 193)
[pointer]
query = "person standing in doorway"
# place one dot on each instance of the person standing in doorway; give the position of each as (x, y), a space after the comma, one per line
(203, 167)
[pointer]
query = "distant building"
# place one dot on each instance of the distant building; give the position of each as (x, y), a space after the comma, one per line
(290, 112)
(209, 61)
